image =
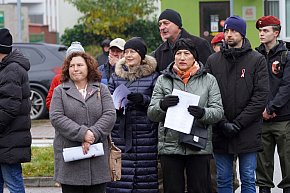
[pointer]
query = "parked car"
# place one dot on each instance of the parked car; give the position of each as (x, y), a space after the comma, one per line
(46, 60)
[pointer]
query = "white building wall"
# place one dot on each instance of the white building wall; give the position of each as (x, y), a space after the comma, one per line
(67, 18)
(57, 14)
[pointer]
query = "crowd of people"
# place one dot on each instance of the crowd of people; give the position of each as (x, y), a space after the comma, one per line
(241, 112)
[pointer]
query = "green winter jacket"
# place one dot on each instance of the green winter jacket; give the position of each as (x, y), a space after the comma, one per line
(202, 84)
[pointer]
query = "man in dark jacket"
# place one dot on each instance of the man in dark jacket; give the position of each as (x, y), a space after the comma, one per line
(15, 123)
(276, 125)
(243, 80)
(103, 57)
(116, 53)
(170, 26)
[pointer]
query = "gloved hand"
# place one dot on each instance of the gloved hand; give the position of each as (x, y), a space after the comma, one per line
(196, 111)
(135, 97)
(168, 101)
(230, 129)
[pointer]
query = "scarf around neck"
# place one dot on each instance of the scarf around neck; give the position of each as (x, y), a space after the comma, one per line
(185, 75)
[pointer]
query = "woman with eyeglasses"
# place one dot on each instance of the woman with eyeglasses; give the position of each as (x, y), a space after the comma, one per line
(133, 132)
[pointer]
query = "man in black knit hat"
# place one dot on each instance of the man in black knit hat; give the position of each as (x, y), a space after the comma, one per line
(170, 26)
(15, 123)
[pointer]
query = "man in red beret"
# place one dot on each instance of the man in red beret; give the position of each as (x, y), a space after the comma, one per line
(276, 116)
(217, 41)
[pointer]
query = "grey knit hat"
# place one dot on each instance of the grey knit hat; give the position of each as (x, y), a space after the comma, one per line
(74, 47)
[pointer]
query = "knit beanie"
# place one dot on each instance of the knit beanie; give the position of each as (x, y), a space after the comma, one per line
(74, 47)
(186, 44)
(137, 44)
(5, 41)
(236, 23)
(172, 16)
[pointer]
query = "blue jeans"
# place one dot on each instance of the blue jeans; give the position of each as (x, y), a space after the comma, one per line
(11, 174)
(247, 166)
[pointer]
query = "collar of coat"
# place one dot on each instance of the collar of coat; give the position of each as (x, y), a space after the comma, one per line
(71, 89)
(234, 53)
(280, 47)
(147, 68)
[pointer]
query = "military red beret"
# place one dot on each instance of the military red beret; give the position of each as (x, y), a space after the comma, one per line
(218, 38)
(267, 21)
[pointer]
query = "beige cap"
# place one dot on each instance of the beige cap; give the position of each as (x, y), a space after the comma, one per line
(118, 42)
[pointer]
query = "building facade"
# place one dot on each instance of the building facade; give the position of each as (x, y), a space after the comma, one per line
(51, 15)
(205, 18)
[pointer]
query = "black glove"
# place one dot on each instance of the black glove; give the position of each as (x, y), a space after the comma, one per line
(120, 111)
(196, 111)
(230, 129)
(168, 101)
(135, 97)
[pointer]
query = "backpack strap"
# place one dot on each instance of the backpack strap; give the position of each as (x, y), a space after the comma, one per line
(284, 57)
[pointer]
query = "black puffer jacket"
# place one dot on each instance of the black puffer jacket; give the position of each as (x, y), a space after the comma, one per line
(279, 97)
(15, 123)
(244, 84)
(164, 53)
(134, 133)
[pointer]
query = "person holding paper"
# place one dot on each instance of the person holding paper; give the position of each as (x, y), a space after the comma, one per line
(188, 74)
(134, 133)
(82, 113)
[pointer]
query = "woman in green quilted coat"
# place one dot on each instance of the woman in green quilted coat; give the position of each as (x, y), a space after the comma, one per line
(186, 73)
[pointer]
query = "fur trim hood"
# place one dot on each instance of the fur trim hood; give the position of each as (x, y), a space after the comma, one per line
(147, 68)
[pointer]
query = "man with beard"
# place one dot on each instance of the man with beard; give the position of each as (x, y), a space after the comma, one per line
(243, 80)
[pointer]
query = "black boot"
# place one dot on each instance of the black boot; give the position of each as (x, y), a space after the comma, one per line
(263, 189)
(286, 190)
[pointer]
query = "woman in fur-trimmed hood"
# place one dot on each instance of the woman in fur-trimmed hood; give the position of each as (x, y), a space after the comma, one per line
(133, 132)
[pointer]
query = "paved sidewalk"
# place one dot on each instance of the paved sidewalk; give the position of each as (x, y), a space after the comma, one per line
(42, 133)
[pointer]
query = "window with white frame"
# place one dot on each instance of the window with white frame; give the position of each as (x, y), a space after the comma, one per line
(287, 22)
(273, 7)
(280, 9)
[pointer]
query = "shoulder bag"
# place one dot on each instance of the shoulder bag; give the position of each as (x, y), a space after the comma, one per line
(197, 138)
(115, 164)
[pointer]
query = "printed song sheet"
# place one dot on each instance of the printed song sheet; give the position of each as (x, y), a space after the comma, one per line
(120, 96)
(178, 117)
(76, 153)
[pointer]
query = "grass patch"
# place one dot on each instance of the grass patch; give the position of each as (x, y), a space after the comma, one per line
(42, 163)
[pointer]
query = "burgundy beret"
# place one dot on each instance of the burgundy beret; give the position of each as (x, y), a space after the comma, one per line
(218, 38)
(267, 21)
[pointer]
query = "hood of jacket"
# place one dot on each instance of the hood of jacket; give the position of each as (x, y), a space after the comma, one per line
(15, 57)
(233, 53)
(280, 47)
(146, 68)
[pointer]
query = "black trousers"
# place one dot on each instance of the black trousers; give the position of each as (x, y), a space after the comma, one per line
(195, 167)
(98, 188)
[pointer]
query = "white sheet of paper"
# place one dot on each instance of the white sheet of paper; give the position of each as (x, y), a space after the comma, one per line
(76, 153)
(120, 96)
(178, 117)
